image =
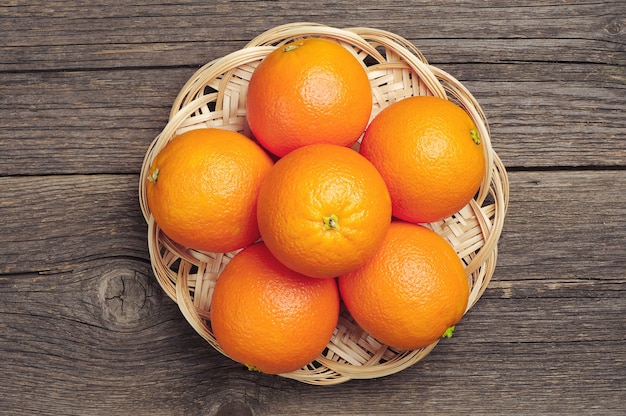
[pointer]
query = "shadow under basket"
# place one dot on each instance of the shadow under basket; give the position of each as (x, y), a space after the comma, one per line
(215, 96)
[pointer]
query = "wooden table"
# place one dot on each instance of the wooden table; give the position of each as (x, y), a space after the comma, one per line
(86, 330)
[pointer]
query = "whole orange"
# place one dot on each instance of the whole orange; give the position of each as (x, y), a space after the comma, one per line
(269, 317)
(202, 189)
(411, 291)
(430, 154)
(308, 91)
(323, 210)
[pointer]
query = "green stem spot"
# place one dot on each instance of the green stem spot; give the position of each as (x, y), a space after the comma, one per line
(448, 333)
(331, 222)
(475, 136)
(252, 368)
(154, 175)
(290, 48)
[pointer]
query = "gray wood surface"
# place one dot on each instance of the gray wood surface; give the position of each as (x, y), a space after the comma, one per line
(86, 330)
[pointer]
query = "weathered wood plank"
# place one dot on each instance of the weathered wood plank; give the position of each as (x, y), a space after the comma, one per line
(62, 35)
(556, 227)
(103, 339)
(50, 223)
(572, 118)
(89, 340)
(567, 111)
(86, 329)
(83, 122)
(103, 121)
(565, 225)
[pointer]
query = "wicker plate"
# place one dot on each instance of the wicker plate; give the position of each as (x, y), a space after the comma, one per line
(215, 96)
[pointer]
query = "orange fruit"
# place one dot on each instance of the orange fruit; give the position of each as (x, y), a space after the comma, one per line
(202, 189)
(308, 91)
(269, 317)
(411, 291)
(430, 154)
(323, 210)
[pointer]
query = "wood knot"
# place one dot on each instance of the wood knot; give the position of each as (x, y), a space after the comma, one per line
(614, 28)
(125, 298)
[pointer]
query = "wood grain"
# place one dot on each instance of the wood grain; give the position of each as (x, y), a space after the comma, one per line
(65, 219)
(86, 330)
(59, 221)
(87, 122)
(74, 360)
(62, 35)
(83, 84)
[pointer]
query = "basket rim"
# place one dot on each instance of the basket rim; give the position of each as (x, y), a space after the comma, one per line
(488, 208)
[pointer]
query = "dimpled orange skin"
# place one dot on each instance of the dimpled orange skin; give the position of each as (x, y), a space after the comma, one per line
(426, 151)
(323, 210)
(269, 317)
(308, 91)
(202, 189)
(411, 291)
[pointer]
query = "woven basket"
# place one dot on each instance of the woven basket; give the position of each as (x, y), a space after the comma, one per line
(215, 96)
